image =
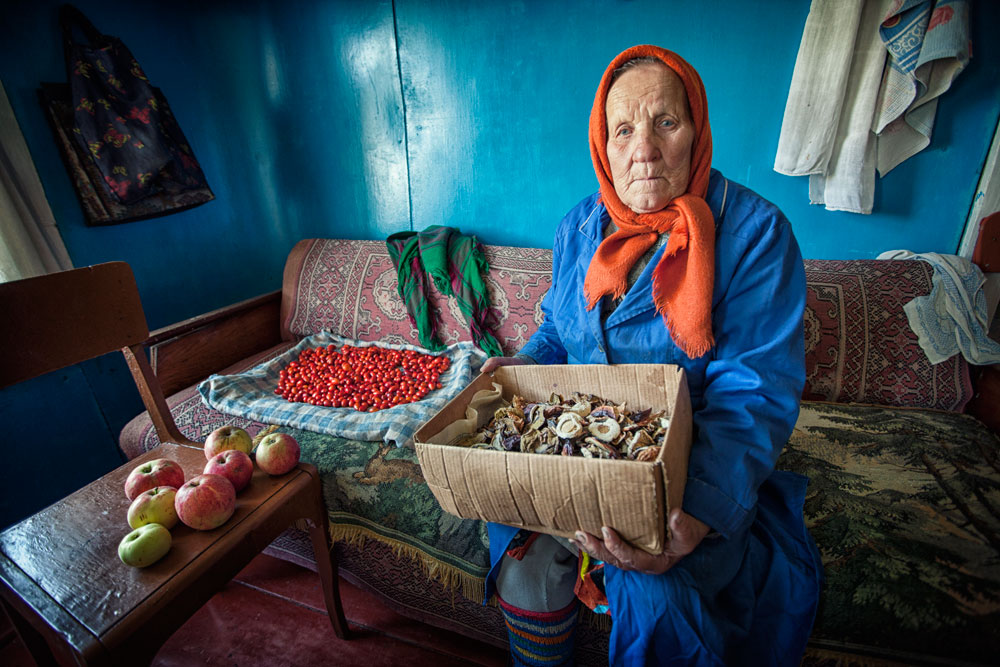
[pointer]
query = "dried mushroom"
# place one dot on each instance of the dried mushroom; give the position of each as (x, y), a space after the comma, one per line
(580, 425)
(605, 429)
(570, 425)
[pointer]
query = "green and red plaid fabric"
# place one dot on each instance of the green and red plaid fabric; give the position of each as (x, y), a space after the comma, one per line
(456, 264)
(412, 286)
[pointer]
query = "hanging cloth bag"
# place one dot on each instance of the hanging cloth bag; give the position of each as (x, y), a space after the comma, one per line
(120, 121)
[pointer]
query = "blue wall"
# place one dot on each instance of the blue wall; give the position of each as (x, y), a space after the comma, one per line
(356, 120)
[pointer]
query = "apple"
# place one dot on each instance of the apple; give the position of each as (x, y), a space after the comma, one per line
(205, 502)
(155, 505)
(225, 438)
(145, 545)
(232, 464)
(158, 472)
(277, 453)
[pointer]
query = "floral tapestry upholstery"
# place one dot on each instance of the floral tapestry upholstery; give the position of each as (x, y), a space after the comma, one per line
(349, 288)
(859, 346)
(904, 505)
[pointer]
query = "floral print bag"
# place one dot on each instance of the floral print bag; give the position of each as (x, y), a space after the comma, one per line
(120, 121)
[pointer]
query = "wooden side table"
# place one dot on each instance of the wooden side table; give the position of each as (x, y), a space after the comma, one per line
(74, 602)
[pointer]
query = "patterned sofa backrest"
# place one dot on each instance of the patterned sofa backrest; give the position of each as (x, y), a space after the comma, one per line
(349, 288)
(859, 346)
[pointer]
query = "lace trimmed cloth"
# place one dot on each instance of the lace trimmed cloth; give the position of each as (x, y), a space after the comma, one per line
(953, 318)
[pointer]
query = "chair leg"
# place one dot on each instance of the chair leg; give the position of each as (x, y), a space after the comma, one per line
(326, 565)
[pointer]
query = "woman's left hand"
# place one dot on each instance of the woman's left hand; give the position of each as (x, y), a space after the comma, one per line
(686, 533)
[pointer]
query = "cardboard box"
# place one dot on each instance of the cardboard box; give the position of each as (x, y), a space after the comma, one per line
(559, 495)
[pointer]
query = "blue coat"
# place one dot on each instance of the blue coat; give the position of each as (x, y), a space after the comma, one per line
(748, 593)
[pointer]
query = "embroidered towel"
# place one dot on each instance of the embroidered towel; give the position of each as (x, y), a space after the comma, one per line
(928, 45)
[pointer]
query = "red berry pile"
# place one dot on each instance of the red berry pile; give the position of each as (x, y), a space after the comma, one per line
(364, 378)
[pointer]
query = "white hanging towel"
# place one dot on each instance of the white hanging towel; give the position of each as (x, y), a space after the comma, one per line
(826, 130)
(819, 82)
(928, 45)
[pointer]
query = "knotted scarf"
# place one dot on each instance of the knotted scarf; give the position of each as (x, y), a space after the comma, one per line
(455, 262)
(683, 278)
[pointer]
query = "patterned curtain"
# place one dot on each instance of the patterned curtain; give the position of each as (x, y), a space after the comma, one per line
(30, 243)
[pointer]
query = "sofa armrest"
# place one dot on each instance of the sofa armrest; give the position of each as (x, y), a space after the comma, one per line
(188, 351)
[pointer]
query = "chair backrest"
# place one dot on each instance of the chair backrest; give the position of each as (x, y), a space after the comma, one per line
(64, 318)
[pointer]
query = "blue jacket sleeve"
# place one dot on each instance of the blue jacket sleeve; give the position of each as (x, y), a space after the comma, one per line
(754, 381)
(545, 346)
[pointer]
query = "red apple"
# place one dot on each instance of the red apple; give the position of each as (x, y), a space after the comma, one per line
(205, 502)
(232, 464)
(225, 438)
(158, 472)
(277, 453)
(154, 506)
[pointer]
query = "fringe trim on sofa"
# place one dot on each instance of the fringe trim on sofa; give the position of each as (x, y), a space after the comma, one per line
(599, 621)
(832, 658)
(449, 576)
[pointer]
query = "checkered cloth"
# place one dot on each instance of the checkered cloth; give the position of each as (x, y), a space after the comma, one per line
(251, 395)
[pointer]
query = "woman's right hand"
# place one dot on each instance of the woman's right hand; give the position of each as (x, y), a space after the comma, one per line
(686, 533)
(495, 362)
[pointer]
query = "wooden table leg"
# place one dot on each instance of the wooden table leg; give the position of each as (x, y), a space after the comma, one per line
(326, 562)
(37, 647)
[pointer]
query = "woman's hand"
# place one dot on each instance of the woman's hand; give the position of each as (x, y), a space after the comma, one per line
(686, 533)
(495, 362)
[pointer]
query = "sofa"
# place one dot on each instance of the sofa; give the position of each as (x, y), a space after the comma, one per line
(904, 492)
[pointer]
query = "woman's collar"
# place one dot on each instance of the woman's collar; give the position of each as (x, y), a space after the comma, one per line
(593, 225)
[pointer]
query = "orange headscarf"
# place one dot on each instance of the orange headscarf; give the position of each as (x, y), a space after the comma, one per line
(684, 276)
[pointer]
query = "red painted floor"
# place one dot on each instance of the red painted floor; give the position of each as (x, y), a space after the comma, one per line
(272, 615)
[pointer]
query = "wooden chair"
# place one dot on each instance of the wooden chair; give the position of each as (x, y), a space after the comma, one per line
(70, 598)
(68, 317)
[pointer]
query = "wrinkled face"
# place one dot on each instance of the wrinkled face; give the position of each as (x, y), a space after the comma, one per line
(650, 133)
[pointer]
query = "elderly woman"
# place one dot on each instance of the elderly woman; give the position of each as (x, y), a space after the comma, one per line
(670, 262)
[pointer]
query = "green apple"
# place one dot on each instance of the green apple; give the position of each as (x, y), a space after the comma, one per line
(154, 506)
(145, 545)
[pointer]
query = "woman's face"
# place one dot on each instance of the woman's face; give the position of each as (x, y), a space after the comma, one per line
(650, 133)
